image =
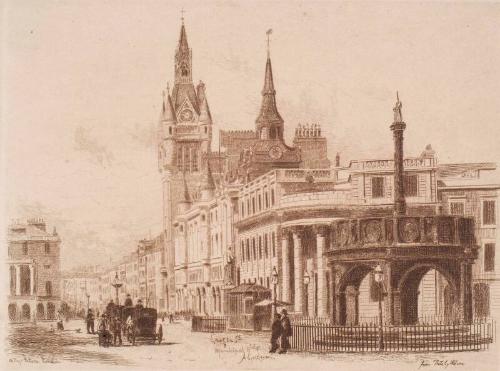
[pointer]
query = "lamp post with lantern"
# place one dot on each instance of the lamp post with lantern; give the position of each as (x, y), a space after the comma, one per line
(116, 284)
(274, 279)
(379, 277)
(307, 279)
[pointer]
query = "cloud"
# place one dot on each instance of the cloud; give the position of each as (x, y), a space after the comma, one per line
(86, 143)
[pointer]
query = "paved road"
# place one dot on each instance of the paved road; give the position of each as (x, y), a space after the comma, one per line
(38, 346)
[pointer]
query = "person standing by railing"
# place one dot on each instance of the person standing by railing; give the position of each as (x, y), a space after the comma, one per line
(276, 330)
(286, 332)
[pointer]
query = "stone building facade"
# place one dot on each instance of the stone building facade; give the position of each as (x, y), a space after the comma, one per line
(34, 271)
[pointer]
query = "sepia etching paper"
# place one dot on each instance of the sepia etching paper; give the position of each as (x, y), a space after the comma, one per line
(250, 185)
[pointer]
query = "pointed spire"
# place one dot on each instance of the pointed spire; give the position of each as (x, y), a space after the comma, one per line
(269, 115)
(209, 179)
(168, 112)
(183, 43)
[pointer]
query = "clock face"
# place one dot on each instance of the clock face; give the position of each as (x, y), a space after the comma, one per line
(275, 152)
(186, 115)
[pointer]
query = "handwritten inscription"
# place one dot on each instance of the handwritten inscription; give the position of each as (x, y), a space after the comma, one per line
(440, 363)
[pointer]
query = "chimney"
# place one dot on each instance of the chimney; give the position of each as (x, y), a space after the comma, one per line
(398, 127)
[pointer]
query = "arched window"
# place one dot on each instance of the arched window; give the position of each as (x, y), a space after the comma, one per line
(47, 248)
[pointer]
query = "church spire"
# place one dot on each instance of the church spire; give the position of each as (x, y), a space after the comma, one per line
(269, 122)
(183, 56)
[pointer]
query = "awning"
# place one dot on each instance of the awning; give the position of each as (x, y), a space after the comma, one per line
(266, 302)
(247, 288)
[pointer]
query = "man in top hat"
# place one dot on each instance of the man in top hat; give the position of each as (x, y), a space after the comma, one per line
(276, 331)
(128, 301)
(286, 331)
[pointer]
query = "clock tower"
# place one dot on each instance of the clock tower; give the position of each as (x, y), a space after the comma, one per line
(184, 143)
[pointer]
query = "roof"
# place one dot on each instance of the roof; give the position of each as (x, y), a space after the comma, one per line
(248, 288)
(25, 232)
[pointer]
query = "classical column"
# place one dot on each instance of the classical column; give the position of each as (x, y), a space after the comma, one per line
(398, 127)
(18, 279)
(285, 255)
(32, 279)
(320, 264)
(299, 271)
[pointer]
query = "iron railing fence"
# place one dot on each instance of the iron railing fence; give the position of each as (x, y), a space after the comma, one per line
(209, 324)
(310, 336)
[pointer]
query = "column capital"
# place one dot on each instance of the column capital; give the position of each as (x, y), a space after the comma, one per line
(298, 231)
(321, 230)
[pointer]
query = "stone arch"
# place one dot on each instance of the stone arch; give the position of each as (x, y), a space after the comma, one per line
(51, 310)
(408, 288)
(12, 311)
(40, 311)
(347, 293)
(25, 312)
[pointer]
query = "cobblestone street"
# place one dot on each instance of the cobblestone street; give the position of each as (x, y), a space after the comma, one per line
(38, 346)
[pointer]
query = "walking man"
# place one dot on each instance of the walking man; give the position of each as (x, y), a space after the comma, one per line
(286, 331)
(276, 331)
(90, 322)
(117, 330)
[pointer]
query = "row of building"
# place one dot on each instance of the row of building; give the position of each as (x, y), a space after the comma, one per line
(260, 211)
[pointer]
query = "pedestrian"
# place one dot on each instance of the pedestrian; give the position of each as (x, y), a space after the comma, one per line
(110, 309)
(171, 317)
(103, 332)
(286, 332)
(128, 301)
(90, 322)
(117, 330)
(276, 331)
(139, 304)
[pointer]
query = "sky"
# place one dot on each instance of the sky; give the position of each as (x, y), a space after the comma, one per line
(82, 84)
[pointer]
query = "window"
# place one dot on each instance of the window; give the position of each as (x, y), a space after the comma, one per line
(377, 187)
(260, 202)
(456, 208)
(411, 185)
(273, 244)
(47, 248)
(253, 205)
(254, 248)
(48, 288)
(46, 266)
(266, 250)
(260, 247)
(489, 257)
(242, 248)
(248, 249)
(266, 196)
(25, 248)
(272, 197)
(489, 213)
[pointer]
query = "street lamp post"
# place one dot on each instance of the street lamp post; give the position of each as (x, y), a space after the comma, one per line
(274, 279)
(379, 277)
(306, 284)
(116, 284)
(88, 301)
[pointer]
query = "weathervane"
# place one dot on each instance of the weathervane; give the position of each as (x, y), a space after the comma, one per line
(268, 33)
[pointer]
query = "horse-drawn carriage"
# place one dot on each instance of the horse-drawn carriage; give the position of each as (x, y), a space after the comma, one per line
(140, 323)
(136, 323)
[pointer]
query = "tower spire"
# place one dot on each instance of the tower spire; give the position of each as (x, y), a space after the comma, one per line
(269, 122)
